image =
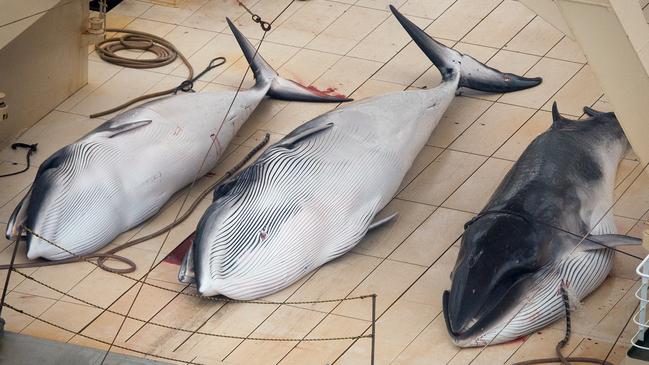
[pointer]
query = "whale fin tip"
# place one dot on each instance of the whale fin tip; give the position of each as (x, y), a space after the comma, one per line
(377, 223)
(293, 138)
(186, 272)
(598, 242)
(596, 113)
(18, 218)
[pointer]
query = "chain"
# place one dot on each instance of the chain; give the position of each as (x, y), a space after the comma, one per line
(7, 279)
(265, 26)
(96, 339)
(185, 330)
(216, 299)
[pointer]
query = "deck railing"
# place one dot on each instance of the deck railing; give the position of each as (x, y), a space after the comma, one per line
(640, 318)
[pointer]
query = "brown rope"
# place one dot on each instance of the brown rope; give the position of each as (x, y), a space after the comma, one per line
(165, 53)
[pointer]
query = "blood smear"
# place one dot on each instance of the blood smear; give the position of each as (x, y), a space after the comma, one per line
(178, 254)
(330, 91)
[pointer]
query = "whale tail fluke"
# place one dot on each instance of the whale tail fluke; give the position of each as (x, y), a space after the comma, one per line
(473, 74)
(280, 88)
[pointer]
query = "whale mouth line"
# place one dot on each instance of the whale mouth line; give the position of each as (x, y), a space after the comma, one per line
(466, 334)
(476, 335)
(487, 317)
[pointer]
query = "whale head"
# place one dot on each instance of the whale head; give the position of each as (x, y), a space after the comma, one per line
(252, 241)
(499, 261)
(71, 204)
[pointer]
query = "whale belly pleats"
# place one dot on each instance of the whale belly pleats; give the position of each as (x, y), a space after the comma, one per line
(68, 206)
(297, 208)
(579, 275)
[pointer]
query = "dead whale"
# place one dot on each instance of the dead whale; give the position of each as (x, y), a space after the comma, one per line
(312, 196)
(125, 170)
(526, 247)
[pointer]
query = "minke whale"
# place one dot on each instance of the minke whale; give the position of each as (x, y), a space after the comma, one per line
(313, 195)
(524, 250)
(125, 170)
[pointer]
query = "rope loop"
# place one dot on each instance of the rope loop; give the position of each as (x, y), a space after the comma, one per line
(101, 262)
(188, 85)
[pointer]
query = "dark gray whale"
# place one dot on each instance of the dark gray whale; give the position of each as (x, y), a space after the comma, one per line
(525, 247)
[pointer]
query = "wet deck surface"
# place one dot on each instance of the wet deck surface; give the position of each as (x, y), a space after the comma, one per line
(358, 49)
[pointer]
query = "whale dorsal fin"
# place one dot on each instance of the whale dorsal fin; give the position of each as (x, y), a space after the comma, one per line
(598, 242)
(558, 121)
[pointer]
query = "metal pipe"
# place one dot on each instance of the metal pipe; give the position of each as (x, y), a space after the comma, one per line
(373, 327)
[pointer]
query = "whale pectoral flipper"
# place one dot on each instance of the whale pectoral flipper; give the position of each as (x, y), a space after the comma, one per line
(598, 242)
(18, 217)
(292, 139)
(186, 273)
(126, 127)
(380, 222)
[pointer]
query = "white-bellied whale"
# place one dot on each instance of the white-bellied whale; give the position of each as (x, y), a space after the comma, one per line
(125, 170)
(544, 232)
(313, 195)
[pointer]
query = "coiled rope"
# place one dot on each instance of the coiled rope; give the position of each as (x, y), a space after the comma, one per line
(165, 53)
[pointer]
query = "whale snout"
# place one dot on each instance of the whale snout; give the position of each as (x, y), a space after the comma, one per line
(242, 252)
(37, 248)
(79, 216)
(463, 327)
(460, 319)
(479, 311)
